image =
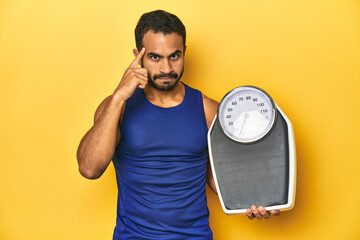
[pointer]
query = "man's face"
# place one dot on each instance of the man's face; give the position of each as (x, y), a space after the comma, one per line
(164, 59)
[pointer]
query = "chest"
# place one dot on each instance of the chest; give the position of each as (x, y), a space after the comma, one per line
(146, 132)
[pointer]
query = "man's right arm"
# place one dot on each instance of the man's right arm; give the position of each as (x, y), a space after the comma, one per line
(97, 147)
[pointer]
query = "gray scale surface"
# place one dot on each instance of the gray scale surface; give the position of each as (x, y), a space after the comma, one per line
(255, 173)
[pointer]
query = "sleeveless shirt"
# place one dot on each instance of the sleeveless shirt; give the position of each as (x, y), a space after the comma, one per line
(160, 166)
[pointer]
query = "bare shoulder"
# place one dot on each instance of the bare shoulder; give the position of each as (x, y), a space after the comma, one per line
(210, 109)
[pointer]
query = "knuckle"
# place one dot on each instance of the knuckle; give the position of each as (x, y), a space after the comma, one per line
(143, 71)
(134, 75)
(128, 73)
(262, 210)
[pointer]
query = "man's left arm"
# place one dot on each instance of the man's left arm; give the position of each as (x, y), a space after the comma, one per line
(210, 109)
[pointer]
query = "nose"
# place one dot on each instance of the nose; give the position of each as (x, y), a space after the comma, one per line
(166, 66)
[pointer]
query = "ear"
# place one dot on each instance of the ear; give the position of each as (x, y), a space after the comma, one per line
(184, 50)
(135, 52)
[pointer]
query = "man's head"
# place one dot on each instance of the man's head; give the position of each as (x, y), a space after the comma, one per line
(158, 21)
(163, 36)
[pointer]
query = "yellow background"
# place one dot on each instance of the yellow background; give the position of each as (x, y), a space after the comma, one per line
(59, 59)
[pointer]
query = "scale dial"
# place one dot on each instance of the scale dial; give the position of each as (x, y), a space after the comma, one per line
(246, 114)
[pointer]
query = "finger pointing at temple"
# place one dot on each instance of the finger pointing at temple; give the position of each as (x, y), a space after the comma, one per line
(137, 59)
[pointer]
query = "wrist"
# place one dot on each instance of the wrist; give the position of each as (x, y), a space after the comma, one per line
(117, 98)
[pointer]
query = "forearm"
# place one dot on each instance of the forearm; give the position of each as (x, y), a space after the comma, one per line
(97, 147)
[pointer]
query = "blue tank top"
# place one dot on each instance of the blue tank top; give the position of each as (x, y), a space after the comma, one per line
(160, 166)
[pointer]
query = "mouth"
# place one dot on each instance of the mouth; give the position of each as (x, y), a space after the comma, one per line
(165, 79)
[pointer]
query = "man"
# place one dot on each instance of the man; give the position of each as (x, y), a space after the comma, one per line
(154, 127)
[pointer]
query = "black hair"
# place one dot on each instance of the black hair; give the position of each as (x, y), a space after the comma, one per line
(158, 21)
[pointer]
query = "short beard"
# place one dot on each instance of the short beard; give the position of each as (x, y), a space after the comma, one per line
(167, 86)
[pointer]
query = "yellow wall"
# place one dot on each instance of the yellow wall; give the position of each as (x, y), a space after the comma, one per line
(59, 59)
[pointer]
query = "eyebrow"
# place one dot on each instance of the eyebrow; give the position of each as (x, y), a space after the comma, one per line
(151, 54)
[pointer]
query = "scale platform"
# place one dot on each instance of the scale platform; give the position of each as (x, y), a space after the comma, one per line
(262, 173)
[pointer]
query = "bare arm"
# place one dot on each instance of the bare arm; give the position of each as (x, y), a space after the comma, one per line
(210, 108)
(97, 147)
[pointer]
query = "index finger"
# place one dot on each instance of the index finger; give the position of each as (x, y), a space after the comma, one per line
(250, 214)
(136, 61)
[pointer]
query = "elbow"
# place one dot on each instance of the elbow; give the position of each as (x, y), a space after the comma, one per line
(87, 170)
(91, 167)
(213, 187)
(88, 173)
(211, 183)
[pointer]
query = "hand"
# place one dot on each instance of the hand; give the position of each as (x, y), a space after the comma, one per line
(133, 77)
(260, 212)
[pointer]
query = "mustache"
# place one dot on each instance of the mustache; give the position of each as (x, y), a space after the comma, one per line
(165, 75)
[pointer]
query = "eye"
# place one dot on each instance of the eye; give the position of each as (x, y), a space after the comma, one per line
(174, 56)
(155, 57)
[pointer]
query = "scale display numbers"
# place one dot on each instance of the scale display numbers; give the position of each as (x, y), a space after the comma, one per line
(246, 114)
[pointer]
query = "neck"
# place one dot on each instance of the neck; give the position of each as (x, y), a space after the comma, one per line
(167, 98)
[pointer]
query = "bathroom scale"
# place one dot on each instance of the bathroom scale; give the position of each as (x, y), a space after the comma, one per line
(252, 152)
